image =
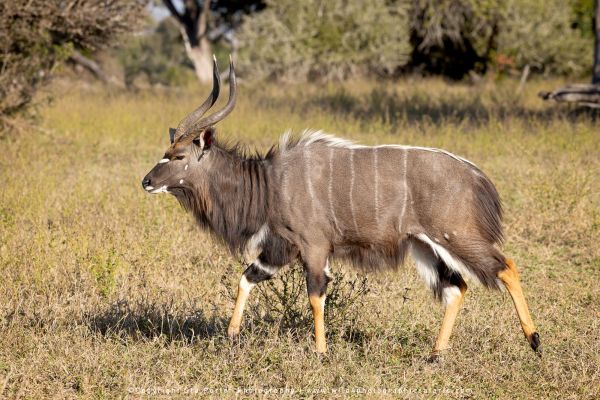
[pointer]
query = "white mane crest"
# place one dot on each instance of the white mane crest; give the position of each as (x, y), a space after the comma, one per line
(310, 136)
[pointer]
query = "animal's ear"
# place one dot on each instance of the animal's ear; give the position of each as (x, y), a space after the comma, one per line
(172, 134)
(206, 138)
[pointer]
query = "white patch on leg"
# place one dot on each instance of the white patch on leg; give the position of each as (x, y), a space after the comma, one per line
(453, 263)
(322, 301)
(245, 285)
(449, 294)
(164, 160)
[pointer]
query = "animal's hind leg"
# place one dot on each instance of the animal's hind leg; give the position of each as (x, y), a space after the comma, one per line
(453, 295)
(445, 284)
(510, 278)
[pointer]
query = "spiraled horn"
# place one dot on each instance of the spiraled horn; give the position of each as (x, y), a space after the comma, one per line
(187, 123)
(219, 115)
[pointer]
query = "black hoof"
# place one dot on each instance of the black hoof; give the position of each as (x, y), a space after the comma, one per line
(534, 341)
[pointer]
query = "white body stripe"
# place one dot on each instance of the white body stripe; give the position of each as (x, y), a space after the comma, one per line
(284, 183)
(352, 179)
(307, 167)
(376, 183)
(330, 191)
(405, 188)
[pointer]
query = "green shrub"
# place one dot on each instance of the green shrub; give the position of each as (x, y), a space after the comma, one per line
(337, 39)
(545, 35)
(282, 303)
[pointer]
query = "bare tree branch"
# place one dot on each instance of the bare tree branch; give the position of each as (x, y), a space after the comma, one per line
(173, 10)
(203, 20)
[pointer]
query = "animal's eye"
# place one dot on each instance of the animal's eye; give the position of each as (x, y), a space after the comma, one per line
(179, 157)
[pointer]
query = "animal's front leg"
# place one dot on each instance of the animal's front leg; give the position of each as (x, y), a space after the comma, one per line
(317, 278)
(257, 272)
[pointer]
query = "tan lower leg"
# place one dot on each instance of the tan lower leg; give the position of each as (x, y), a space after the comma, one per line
(240, 302)
(455, 298)
(510, 278)
(318, 309)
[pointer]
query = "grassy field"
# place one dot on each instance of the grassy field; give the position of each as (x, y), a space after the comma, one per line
(106, 291)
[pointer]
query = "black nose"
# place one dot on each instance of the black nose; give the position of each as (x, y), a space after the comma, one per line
(146, 182)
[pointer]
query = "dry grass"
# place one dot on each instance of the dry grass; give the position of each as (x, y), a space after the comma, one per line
(106, 291)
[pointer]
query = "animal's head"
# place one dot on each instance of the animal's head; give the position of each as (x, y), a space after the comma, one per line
(183, 160)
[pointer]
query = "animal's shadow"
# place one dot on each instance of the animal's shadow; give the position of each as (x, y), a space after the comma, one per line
(141, 321)
(147, 321)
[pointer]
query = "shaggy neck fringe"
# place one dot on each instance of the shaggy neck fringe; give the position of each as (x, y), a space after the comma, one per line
(232, 201)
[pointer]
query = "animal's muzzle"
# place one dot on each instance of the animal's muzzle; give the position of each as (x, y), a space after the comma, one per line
(145, 182)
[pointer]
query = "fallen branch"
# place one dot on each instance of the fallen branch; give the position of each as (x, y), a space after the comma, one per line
(92, 66)
(581, 94)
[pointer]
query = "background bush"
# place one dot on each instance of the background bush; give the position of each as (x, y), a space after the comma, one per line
(336, 39)
(38, 34)
(553, 36)
(342, 39)
(453, 37)
(303, 41)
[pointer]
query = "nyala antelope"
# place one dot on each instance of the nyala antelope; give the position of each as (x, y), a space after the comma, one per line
(316, 197)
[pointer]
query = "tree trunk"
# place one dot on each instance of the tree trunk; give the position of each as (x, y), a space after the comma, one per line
(197, 45)
(194, 30)
(596, 67)
(201, 56)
